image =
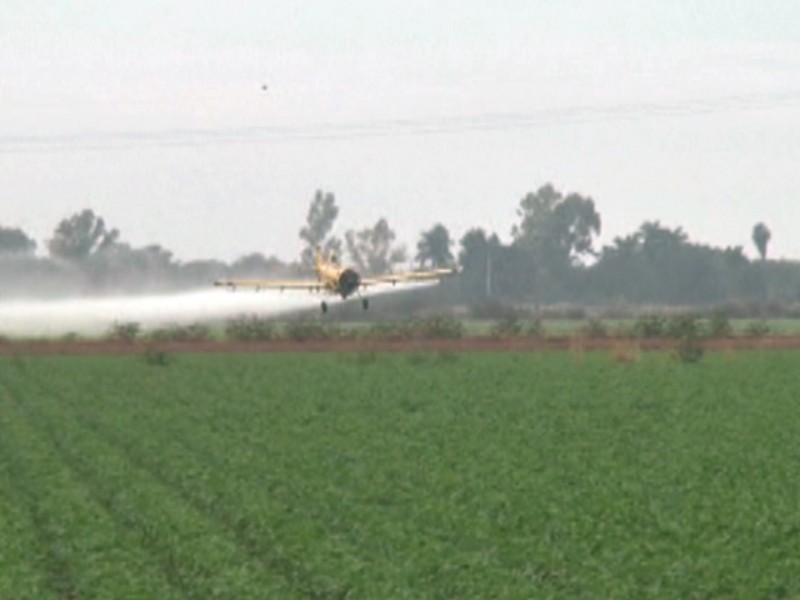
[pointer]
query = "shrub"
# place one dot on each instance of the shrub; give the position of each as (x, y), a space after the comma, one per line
(439, 327)
(506, 327)
(535, 328)
(682, 326)
(650, 326)
(125, 332)
(595, 328)
(720, 324)
(390, 330)
(305, 330)
(250, 328)
(689, 350)
(195, 332)
(757, 329)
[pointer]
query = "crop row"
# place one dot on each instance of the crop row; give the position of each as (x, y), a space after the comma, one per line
(403, 476)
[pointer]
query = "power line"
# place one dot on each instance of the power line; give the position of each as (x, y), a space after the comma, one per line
(481, 122)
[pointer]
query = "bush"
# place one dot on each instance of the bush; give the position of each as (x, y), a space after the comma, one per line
(306, 330)
(689, 350)
(125, 332)
(535, 328)
(507, 327)
(195, 332)
(682, 326)
(250, 329)
(595, 328)
(720, 324)
(650, 326)
(439, 327)
(757, 329)
(390, 331)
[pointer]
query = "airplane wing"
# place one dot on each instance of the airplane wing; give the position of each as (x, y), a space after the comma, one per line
(408, 277)
(309, 285)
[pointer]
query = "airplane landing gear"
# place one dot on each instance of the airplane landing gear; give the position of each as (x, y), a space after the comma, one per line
(323, 307)
(365, 303)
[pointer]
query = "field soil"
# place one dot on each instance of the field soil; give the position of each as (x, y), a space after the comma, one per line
(467, 344)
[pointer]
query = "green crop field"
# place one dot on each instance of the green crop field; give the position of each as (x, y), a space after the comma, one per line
(400, 476)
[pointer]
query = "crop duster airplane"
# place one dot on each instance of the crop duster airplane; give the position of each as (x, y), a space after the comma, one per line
(336, 280)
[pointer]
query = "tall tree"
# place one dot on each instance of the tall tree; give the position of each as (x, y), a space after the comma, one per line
(321, 217)
(560, 230)
(81, 235)
(15, 242)
(372, 249)
(434, 247)
(761, 237)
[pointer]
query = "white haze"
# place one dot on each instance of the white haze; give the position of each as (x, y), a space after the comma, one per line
(94, 316)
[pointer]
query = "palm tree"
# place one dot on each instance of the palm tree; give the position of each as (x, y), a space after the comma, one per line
(761, 237)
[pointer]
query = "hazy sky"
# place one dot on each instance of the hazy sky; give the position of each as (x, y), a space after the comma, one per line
(152, 114)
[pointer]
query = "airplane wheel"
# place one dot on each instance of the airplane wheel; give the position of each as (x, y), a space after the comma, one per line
(324, 307)
(365, 303)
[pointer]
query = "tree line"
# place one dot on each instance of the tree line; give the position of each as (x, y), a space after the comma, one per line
(552, 257)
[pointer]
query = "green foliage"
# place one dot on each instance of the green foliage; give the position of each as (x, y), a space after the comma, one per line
(596, 328)
(520, 476)
(366, 358)
(720, 324)
(650, 326)
(757, 329)
(155, 357)
(390, 330)
(508, 327)
(682, 326)
(194, 332)
(558, 229)
(439, 327)
(535, 328)
(250, 328)
(125, 332)
(689, 350)
(308, 330)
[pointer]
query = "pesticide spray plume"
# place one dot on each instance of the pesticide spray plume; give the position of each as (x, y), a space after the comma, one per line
(94, 316)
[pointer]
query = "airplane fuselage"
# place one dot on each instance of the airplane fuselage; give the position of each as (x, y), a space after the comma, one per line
(337, 279)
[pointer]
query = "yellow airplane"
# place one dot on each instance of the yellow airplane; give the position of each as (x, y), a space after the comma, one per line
(336, 280)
